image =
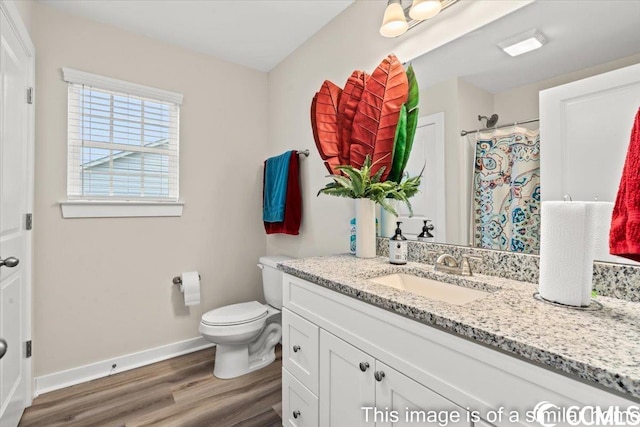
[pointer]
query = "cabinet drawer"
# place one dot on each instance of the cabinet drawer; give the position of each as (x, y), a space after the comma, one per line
(300, 349)
(299, 405)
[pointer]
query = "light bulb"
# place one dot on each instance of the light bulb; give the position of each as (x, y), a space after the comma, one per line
(424, 9)
(394, 22)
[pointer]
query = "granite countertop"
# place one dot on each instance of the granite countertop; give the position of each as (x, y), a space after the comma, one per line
(598, 346)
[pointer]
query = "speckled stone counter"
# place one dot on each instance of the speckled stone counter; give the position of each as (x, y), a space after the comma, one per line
(597, 346)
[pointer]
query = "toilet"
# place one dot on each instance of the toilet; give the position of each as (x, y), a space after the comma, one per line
(246, 334)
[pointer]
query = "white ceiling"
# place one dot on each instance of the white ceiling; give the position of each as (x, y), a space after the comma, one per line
(580, 34)
(255, 33)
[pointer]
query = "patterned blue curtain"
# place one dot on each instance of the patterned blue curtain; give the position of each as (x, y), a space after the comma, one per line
(506, 191)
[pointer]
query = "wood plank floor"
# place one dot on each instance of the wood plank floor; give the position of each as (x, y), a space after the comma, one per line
(178, 392)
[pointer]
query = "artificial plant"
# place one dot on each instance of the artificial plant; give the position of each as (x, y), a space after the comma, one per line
(375, 115)
(357, 183)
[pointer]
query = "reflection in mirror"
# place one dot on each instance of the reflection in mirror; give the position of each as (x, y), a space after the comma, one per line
(482, 187)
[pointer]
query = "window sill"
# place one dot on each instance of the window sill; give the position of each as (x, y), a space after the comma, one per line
(119, 209)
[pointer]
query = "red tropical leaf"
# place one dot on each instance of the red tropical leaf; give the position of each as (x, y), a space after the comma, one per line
(377, 114)
(314, 128)
(324, 121)
(347, 109)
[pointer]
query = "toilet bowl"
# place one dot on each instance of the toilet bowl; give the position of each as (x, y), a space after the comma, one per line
(246, 334)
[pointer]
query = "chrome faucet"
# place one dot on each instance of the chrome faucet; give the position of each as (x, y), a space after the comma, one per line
(448, 264)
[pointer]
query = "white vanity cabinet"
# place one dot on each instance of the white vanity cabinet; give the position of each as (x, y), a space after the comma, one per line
(356, 390)
(335, 349)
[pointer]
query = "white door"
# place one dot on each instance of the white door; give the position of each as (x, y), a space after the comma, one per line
(346, 383)
(15, 193)
(409, 403)
(427, 151)
(584, 131)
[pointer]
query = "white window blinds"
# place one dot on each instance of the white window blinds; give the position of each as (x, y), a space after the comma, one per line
(122, 140)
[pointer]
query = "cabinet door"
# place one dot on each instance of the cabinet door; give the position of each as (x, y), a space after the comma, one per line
(405, 402)
(346, 383)
(299, 405)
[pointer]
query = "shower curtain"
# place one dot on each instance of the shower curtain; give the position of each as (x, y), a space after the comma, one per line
(506, 190)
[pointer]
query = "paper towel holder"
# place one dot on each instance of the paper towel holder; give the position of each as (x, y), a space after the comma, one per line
(177, 280)
(593, 304)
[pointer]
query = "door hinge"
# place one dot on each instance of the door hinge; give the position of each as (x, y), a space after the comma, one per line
(29, 221)
(29, 95)
(28, 349)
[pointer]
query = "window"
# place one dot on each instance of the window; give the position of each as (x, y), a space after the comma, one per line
(123, 141)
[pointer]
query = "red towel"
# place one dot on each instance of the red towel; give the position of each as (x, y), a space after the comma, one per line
(293, 204)
(624, 238)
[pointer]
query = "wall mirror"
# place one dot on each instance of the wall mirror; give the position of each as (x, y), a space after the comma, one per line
(472, 76)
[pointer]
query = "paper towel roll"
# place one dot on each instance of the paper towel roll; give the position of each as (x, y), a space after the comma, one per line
(190, 287)
(567, 245)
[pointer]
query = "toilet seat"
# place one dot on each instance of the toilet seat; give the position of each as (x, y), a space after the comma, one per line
(235, 314)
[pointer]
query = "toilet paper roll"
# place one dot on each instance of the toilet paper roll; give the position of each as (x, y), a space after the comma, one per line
(190, 287)
(567, 245)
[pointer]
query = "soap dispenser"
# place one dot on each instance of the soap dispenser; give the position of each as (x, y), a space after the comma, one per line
(398, 250)
(426, 235)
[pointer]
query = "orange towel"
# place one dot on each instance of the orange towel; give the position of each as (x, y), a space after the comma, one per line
(624, 238)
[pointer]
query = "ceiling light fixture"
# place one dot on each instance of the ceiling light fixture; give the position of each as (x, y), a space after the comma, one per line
(523, 43)
(424, 9)
(394, 21)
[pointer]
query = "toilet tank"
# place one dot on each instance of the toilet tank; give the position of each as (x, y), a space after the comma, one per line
(272, 279)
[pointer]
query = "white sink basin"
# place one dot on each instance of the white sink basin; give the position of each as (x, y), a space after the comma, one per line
(432, 289)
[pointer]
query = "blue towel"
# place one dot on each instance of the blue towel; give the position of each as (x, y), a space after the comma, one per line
(275, 187)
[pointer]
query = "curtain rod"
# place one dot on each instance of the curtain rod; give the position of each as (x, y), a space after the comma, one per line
(467, 132)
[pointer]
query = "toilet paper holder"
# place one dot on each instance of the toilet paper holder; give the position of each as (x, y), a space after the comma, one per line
(177, 280)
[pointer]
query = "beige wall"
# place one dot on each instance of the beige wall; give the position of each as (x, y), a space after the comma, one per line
(471, 102)
(460, 102)
(351, 41)
(103, 286)
(522, 103)
(443, 97)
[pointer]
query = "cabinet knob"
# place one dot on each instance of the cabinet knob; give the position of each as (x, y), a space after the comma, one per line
(9, 262)
(296, 414)
(364, 366)
(296, 348)
(378, 375)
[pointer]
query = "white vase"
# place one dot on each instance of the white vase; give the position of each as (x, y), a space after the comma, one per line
(388, 220)
(365, 228)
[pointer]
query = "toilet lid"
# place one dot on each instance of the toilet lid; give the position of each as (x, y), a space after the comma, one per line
(235, 314)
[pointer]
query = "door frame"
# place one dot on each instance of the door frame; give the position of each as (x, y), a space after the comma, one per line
(15, 21)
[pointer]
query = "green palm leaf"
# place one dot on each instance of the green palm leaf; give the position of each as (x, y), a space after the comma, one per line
(412, 125)
(399, 147)
(358, 183)
(412, 118)
(414, 91)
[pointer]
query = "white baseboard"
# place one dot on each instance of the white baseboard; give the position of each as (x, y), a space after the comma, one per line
(69, 377)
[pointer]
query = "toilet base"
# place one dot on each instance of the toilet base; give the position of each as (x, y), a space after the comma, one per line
(233, 361)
